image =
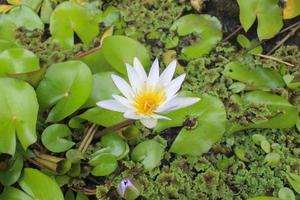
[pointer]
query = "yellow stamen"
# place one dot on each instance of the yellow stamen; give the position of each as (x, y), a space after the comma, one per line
(146, 102)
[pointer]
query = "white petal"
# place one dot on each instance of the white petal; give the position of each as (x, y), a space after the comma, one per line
(132, 115)
(149, 122)
(134, 79)
(177, 103)
(167, 75)
(122, 100)
(112, 105)
(160, 117)
(174, 86)
(123, 86)
(153, 75)
(138, 67)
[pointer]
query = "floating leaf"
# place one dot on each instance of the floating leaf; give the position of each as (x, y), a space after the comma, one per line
(294, 181)
(67, 86)
(119, 50)
(104, 164)
(24, 16)
(284, 115)
(69, 17)
(205, 131)
(103, 88)
(11, 193)
(12, 172)
(114, 145)
(46, 11)
(7, 28)
(102, 116)
(207, 28)
(52, 138)
(264, 198)
(18, 60)
(40, 186)
(149, 152)
(286, 194)
(19, 108)
(268, 14)
(291, 9)
(5, 44)
(255, 77)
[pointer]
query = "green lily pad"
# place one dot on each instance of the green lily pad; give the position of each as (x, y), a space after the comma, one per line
(294, 181)
(114, 145)
(149, 153)
(264, 198)
(104, 164)
(24, 16)
(268, 14)
(40, 186)
(7, 28)
(207, 28)
(11, 193)
(6, 44)
(103, 88)
(284, 114)
(255, 77)
(18, 60)
(52, 138)
(66, 86)
(205, 132)
(46, 11)
(69, 17)
(12, 172)
(102, 116)
(19, 109)
(286, 194)
(118, 50)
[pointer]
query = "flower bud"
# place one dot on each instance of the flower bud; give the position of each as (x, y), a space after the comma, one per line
(128, 190)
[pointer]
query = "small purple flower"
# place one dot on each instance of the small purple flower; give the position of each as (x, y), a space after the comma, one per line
(128, 190)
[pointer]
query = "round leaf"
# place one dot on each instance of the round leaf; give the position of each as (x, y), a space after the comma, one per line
(199, 139)
(19, 109)
(268, 14)
(52, 138)
(119, 50)
(7, 28)
(207, 28)
(102, 116)
(40, 186)
(24, 16)
(114, 145)
(67, 86)
(11, 193)
(105, 164)
(13, 171)
(149, 152)
(103, 88)
(69, 17)
(286, 194)
(291, 9)
(18, 60)
(255, 77)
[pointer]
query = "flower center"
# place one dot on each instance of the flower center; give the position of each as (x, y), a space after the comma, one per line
(146, 102)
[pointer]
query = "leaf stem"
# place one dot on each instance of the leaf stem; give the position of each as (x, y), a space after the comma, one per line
(275, 59)
(114, 128)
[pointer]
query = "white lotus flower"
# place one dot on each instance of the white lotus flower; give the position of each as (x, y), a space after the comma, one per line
(146, 97)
